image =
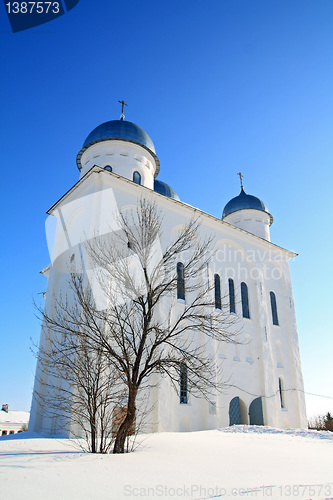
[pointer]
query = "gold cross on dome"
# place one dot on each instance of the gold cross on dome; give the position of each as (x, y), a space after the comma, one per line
(241, 178)
(123, 103)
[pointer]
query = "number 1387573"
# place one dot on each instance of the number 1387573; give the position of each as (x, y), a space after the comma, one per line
(33, 7)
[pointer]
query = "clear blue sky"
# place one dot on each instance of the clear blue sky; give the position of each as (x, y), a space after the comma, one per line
(220, 86)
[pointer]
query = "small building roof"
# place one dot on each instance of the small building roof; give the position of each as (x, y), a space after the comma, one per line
(14, 417)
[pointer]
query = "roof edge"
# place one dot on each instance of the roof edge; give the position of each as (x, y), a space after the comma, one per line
(98, 169)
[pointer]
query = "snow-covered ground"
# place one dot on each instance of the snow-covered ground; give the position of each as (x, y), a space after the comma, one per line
(236, 462)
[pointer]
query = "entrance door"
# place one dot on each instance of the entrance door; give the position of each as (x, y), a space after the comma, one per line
(234, 412)
(255, 411)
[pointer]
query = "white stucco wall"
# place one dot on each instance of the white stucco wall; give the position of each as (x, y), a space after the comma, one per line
(124, 157)
(266, 353)
(254, 221)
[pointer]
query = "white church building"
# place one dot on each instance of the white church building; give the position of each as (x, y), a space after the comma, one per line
(118, 166)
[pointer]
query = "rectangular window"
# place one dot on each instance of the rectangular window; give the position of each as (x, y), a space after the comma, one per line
(281, 393)
(217, 285)
(275, 318)
(245, 300)
(180, 281)
(232, 305)
(183, 383)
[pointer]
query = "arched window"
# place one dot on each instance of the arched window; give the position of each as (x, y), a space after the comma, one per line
(136, 177)
(245, 300)
(183, 384)
(217, 287)
(232, 305)
(274, 309)
(281, 391)
(180, 281)
(108, 168)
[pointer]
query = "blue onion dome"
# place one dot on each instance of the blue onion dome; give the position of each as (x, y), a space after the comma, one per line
(243, 202)
(164, 188)
(123, 130)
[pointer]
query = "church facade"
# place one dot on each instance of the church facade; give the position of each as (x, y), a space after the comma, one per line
(118, 166)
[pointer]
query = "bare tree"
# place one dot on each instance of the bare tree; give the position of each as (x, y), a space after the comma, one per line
(147, 307)
(77, 389)
(321, 422)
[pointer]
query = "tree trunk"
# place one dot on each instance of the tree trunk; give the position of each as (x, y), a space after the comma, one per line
(126, 426)
(93, 436)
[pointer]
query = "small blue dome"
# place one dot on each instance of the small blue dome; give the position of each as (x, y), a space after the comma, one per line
(245, 201)
(119, 129)
(164, 188)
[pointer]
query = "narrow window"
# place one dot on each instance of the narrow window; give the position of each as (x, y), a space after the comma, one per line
(108, 168)
(232, 296)
(136, 177)
(274, 309)
(180, 281)
(281, 393)
(245, 300)
(217, 286)
(183, 383)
